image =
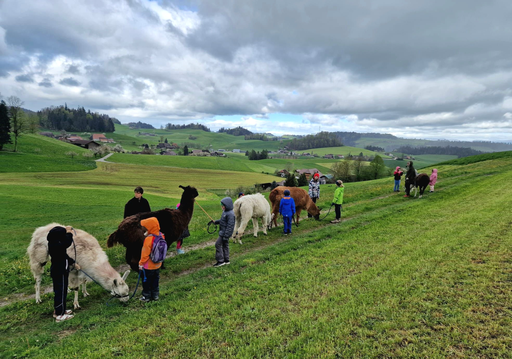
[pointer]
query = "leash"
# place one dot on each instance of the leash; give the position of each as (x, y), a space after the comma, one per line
(209, 224)
(327, 213)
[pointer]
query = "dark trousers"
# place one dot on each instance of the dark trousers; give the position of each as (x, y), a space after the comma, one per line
(60, 288)
(407, 186)
(150, 288)
(314, 201)
(337, 208)
(222, 250)
(287, 221)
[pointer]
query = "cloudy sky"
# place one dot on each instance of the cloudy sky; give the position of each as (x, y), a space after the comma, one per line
(420, 69)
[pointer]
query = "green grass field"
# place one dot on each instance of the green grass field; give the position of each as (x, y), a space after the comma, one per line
(399, 277)
(420, 161)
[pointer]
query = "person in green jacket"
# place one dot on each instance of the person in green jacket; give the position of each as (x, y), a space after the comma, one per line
(338, 200)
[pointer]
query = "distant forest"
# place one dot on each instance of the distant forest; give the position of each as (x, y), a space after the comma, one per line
(71, 120)
(438, 150)
(351, 138)
(192, 126)
(237, 131)
(322, 139)
(140, 125)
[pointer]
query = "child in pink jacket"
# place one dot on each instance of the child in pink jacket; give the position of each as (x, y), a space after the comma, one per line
(433, 180)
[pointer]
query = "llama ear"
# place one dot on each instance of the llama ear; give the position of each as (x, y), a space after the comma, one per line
(182, 187)
(125, 275)
(115, 282)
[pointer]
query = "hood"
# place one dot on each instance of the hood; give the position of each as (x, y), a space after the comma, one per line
(228, 203)
(434, 171)
(56, 234)
(152, 225)
(397, 168)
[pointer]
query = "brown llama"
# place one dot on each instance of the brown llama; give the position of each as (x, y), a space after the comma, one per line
(172, 223)
(302, 202)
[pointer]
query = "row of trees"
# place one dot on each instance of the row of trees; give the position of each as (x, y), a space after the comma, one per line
(14, 120)
(253, 155)
(356, 170)
(71, 120)
(322, 139)
(192, 126)
(237, 131)
(439, 150)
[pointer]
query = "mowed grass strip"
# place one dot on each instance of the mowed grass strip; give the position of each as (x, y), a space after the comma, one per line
(430, 280)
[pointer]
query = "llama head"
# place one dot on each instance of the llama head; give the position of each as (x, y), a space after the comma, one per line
(190, 192)
(120, 288)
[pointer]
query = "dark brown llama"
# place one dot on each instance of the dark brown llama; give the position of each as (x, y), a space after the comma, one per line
(301, 198)
(172, 223)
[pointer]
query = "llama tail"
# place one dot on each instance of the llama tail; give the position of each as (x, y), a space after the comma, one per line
(112, 240)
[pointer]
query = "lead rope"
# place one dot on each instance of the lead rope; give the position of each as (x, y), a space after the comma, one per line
(209, 224)
(327, 213)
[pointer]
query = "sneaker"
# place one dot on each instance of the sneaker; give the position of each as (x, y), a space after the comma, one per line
(226, 262)
(144, 299)
(335, 221)
(219, 264)
(180, 251)
(431, 191)
(63, 317)
(156, 298)
(68, 312)
(286, 234)
(406, 196)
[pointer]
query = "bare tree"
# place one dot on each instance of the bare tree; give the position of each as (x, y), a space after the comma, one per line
(17, 117)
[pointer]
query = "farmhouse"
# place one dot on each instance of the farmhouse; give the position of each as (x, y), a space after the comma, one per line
(99, 137)
(308, 172)
(90, 145)
(283, 173)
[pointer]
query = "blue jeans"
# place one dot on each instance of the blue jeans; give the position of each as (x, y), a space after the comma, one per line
(287, 221)
(397, 186)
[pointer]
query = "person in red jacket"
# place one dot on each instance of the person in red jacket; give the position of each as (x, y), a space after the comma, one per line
(150, 288)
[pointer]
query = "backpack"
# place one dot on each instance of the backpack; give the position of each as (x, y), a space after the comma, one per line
(159, 249)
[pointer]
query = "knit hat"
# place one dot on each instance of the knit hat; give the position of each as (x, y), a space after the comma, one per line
(286, 192)
(316, 175)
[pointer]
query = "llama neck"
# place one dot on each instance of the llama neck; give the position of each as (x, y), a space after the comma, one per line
(104, 274)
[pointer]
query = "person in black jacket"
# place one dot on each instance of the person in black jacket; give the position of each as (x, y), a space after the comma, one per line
(226, 226)
(59, 239)
(137, 204)
(410, 178)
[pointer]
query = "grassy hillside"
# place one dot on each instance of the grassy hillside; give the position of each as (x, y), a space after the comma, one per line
(343, 150)
(398, 278)
(37, 153)
(420, 161)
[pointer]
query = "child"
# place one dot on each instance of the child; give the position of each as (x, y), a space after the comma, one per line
(60, 238)
(398, 175)
(433, 180)
(287, 210)
(150, 288)
(338, 200)
(226, 226)
(184, 235)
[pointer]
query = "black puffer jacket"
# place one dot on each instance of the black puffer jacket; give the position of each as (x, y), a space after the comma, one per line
(227, 220)
(58, 242)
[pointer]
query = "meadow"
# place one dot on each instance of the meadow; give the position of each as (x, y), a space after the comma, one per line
(398, 278)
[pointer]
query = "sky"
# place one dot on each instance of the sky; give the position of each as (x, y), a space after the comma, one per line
(431, 69)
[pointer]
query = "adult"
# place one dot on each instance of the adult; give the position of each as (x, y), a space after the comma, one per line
(137, 204)
(410, 178)
(59, 239)
(398, 176)
(314, 189)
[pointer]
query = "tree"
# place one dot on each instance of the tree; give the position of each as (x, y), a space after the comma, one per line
(71, 154)
(17, 117)
(303, 181)
(32, 123)
(5, 125)
(358, 166)
(291, 181)
(341, 170)
(377, 166)
(273, 185)
(185, 150)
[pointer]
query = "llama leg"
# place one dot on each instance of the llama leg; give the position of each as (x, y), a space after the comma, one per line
(38, 288)
(255, 225)
(237, 225)
(297, 216)
(241, 229)
(75, 301)
(84, 289)
(264, 222)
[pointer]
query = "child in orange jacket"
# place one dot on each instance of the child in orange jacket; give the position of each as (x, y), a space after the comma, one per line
(150, 287)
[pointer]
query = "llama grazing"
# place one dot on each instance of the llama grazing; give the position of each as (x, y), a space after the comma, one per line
(422, 181)
(251, 206)
(301, 198)
(172, 223)
(89, 255)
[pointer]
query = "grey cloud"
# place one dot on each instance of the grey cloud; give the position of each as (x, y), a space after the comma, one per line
(69, 81)
(46, 83)
(25, 78)
(74, 70)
